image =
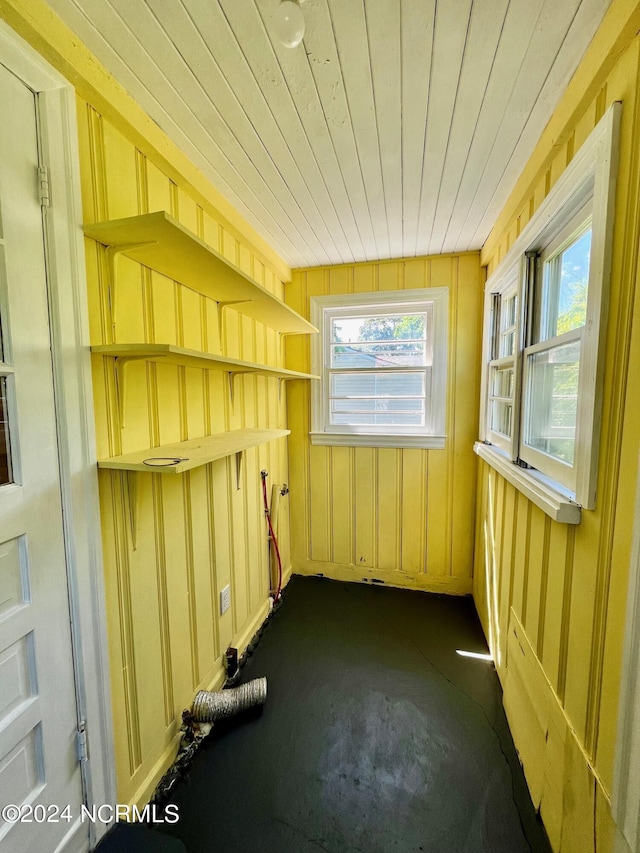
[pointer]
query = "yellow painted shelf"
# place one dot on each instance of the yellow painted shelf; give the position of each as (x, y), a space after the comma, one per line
(192, 453)
(170, 354)
(160, 242)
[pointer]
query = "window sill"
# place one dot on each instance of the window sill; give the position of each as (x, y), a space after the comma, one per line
(434, 442)
(552, 501)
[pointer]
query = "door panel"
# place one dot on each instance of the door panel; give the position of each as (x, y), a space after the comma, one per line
(38, 758)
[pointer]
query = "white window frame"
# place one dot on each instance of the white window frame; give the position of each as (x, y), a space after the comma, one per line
(557, 470)
(589, 180)
(433, 302)
(508, 287)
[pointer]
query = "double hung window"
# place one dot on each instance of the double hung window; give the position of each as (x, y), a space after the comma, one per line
(502, 367)
(382, 360)
(553, 352)
(545, 319)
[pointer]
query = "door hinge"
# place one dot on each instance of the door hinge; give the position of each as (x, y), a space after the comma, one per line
(81, 737)
(43, 186)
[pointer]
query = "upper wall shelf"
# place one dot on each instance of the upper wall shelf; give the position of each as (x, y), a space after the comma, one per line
(160, 242)
(170, 354)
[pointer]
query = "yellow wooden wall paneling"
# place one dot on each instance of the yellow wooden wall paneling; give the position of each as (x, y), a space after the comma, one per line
(465, 387)
(542, 592)
(213, 627)
(507, 560)
(556, 555)
(223, 537)
(162, 609)
(190, 578)
(339, 482)
(569, 583)
(495, 590)
(120, 168)
(388, 519)
(581, 618)
(364, 279)
(96, 302)
(402, 516)
(197, 533)
(364, 516)
(566, 614)
(414, 511)
(436, 511)
(203, 604)
(480, 562)
(536, 541)
(256, 535)
(238, 539)
(149, 610)
(96, 203)
(298, 400)
(298, 406)
(319, 505)
(521, 557)
(124, 763)
(125, 621)
(180, 621)
(389, 276)
(624, 270)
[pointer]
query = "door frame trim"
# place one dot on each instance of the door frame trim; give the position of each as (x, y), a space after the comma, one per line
(69, 321)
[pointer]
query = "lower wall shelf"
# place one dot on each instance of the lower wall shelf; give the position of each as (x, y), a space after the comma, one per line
(184, 455)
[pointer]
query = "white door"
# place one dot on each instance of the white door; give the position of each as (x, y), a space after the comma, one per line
(39, 768)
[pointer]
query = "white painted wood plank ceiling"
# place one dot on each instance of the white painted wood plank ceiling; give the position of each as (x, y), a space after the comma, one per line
(397, 128)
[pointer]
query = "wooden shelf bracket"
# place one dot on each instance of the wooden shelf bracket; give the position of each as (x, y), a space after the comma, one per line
(120, 362)
(112, 256)
(220, 306)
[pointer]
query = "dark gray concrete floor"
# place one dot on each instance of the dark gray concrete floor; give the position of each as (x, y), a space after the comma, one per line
(376, 737)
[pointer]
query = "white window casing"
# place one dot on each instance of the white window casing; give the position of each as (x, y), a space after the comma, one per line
(584, 193)
(424, 383)
(504, 360)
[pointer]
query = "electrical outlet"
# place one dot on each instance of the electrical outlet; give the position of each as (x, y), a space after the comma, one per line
(225, 599)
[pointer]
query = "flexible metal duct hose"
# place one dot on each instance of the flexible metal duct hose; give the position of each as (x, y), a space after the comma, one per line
(210, 706)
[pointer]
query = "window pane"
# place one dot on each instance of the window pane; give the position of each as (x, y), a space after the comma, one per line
(551, 401)
(412, 354)
(507, 344)
(509, 304)
(377, 404)
(378, 384)
(361, 419)
(566, 281)
(5, 449)
(502, 382)
(378, 398)
(379, 327)
(501, 417)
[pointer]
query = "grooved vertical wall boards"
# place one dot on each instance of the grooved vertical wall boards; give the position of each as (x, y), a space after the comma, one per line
(199, 532)
(403, 517)
(562, 588)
